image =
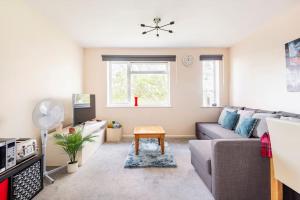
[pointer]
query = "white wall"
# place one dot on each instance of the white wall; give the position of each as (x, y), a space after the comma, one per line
(186, 91)
(258, 68)
(36, 61)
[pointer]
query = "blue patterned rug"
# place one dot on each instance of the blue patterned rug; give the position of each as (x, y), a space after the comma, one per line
(150, 155)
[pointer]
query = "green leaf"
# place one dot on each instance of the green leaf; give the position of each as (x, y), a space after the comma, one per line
(72, 143)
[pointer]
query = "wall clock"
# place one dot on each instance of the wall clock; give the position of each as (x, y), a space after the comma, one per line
(188, 60)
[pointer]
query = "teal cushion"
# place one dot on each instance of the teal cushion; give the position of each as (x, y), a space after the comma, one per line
(223, 114)
(230, 120)
(246, 127)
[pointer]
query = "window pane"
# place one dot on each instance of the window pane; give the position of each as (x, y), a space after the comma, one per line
(119, 83)
(151, 89)
(146, 67)
(210, 70)
(147, 81)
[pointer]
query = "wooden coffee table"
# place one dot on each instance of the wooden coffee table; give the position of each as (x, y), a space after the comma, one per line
(149, 132)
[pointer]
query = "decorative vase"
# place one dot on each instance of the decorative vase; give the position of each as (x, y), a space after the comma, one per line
(72, 167)
(136, 99)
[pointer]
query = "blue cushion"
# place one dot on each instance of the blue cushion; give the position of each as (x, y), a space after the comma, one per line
(230, 120)
(246, 127)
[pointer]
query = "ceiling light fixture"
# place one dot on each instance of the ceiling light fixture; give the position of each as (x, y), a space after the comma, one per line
(158, 28)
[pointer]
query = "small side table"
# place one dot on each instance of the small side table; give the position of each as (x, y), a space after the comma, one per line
(149, 132)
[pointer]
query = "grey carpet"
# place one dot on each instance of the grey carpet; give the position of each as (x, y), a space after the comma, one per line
(104, 177)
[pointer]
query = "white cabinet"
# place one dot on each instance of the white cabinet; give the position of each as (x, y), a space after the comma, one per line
(55, 156)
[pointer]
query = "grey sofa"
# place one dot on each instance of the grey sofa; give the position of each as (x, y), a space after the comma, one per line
(231, 166)
(232, 169)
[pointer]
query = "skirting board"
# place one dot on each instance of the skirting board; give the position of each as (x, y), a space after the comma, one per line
(169, 136)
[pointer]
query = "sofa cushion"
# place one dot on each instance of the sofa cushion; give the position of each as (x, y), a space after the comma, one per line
(230, 120)
(223, 113)
(201, 150)
(235, 107)
(246, 127)
(244, 114)
(292, 119)
(216, 131)
(261, 126)
(259, 110)
(287, 114)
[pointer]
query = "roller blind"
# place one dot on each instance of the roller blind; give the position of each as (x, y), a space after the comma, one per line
(211, 57)
(170, 58)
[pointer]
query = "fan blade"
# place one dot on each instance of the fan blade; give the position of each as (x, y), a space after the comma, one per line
(142, 25)
(172, 22)
(43, 108)
(48, 114)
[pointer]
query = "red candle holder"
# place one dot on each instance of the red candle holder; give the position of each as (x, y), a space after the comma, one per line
(136, 99)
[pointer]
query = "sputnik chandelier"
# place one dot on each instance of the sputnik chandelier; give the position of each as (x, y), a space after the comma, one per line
(156, 27)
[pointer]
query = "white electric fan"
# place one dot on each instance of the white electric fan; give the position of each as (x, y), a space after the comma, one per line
(47, 114)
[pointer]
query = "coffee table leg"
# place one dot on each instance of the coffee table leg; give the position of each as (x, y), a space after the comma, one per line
(158, 141)
(162, 144)
(136, 145)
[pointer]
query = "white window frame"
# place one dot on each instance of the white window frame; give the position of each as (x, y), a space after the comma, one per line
(217, 83)
(130, 102)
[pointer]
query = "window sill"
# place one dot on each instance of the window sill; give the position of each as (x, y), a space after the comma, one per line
(120, 106)
(211, 107)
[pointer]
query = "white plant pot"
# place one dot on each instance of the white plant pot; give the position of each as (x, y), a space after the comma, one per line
(71, 168)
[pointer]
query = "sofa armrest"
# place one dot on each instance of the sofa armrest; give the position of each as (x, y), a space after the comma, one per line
(238, 170)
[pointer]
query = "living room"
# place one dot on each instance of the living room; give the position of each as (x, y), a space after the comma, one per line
(166, 70)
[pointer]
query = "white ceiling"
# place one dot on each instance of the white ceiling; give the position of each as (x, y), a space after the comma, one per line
(198, 23)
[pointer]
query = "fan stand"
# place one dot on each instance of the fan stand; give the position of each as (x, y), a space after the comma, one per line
(44, 137)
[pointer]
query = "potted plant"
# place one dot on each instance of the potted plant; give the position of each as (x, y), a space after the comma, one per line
(71, 144)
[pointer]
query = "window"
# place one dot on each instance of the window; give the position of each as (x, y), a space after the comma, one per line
(211, 82)
(149, 81)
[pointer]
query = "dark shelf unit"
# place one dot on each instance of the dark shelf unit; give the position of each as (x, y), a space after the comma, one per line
(33, 165)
